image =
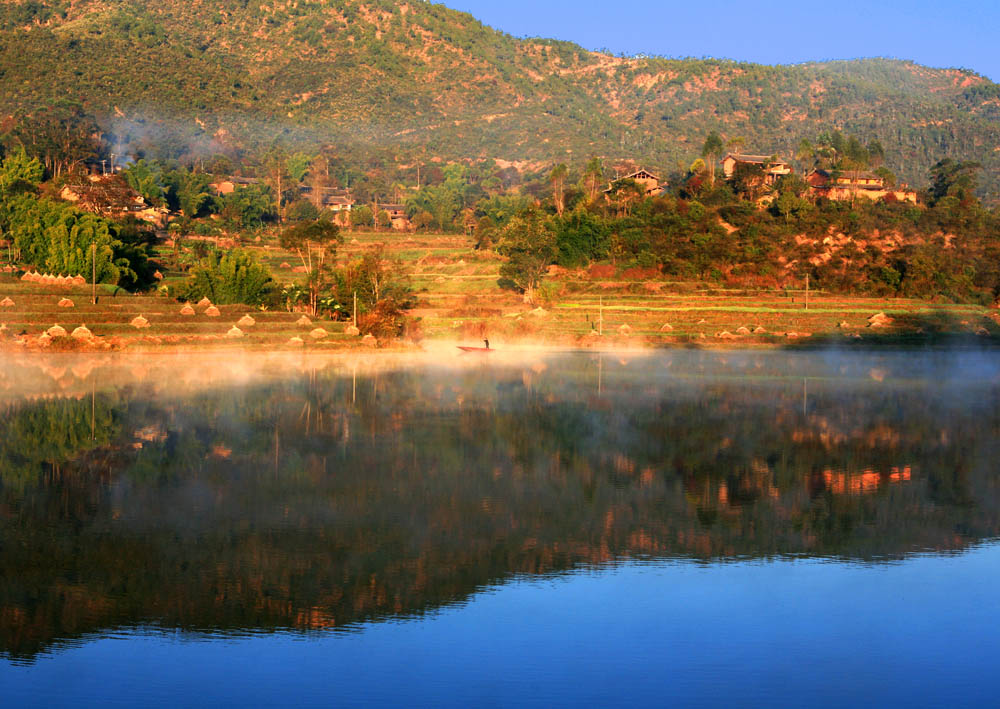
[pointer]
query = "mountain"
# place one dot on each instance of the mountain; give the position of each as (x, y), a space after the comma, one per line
(406, 81)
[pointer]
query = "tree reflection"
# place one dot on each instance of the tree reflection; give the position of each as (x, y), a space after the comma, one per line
(326, 498)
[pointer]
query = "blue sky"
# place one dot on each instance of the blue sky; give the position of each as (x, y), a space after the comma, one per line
(940, 33)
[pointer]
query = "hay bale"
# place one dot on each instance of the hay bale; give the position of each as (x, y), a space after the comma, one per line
(44, 339)
(27, 277)
(303, 321)
(139, 322)
(204, 303)
(318, 334)
(6, 303)
(79, 280)
(369, 341)
(667, 327)
(82, 333)
(296, 342)
(879, 320)
(56, 331)
(744, 331)
(234, 332)
(759, 330)
(352, 331)
(625, 330)
(187, 310)
(66, 303)
(843, 325)
(725, 335)
(212, 312)
(246, 321)
(285, 264)
(60, 280)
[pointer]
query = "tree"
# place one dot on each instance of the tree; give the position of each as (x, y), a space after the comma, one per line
(625, 194)
(593, 178)
(711, 151)
(147, 179)
(557, 178)
(275, 166)
(314, 242)
(950, 178)
(61, 136)
(529, 245)
(229, 278)
(19, 168)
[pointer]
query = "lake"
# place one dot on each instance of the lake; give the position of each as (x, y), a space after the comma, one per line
(525, 528)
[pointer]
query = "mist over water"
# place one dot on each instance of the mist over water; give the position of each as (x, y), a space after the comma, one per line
(266, 498)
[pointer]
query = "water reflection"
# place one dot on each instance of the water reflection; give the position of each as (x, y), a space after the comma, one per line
(263, 495)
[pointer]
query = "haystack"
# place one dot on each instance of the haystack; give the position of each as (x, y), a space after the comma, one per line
(44, 339)
(246, 321)
(285, 264)
(204, 303)
(725, 335)
(48, 279)
(6, 303)
(82, 333)
(234, 332)
(352, 331)
(744, 331)
(296, 342)
(212, 312)
(879, 320)
(304, 321)
(369, 341)
(667, 327)
(66, 303)
(318, 334)
(187, 310)
(139, 322)
(759, 330)
(625, 330)
(61, 280)
(79, 280)
(844, 325)
(27, 277)
(56, 331)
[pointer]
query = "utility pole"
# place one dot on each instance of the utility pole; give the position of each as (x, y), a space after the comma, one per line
(355, 309)
(807, 291)
(600, 319)
(93, 277)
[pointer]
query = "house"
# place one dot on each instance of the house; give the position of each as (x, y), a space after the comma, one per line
(397, 216)
(110, 196)
(334, 199)
(774, 168)
(845, 185)
(644, 178)
(231, 184)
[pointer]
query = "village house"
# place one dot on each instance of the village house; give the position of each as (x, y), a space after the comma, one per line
(111, 197)
(774, 167)
(231, 184)
(397, 216)
(644, 178)
(848, 185)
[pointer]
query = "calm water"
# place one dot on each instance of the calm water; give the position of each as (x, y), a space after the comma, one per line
(710, 529)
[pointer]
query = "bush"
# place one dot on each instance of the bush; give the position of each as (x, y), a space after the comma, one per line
(230, 278)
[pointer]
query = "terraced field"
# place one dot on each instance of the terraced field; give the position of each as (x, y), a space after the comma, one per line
(458, 299)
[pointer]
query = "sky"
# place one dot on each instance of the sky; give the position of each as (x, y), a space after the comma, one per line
(938, 33)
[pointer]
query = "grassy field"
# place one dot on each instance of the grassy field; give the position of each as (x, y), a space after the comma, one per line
(458, 299)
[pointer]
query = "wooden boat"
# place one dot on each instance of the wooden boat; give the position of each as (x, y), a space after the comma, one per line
(479, 350)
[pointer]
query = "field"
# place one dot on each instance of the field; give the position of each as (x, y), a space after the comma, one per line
(458, 299)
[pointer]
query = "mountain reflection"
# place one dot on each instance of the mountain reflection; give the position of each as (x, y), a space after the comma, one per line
(308, 494)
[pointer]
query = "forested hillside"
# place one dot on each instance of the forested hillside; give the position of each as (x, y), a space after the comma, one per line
(412, 81)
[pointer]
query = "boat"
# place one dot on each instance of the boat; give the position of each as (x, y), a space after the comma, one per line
(479, 350)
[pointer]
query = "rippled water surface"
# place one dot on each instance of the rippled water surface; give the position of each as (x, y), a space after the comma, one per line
(751, 528)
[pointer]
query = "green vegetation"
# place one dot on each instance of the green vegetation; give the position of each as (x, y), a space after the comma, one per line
(209, 82)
